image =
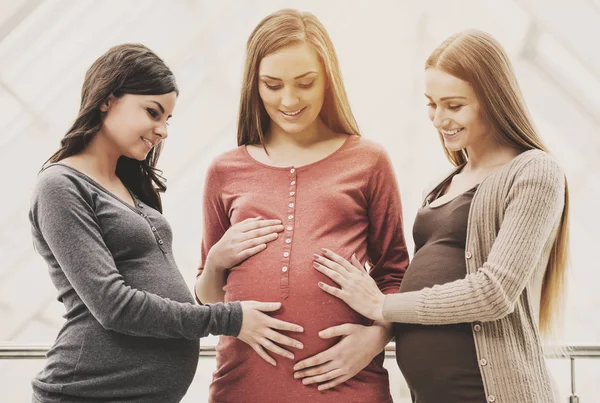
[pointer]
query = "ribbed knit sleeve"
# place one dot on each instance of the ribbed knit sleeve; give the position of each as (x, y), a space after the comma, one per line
(530, 217)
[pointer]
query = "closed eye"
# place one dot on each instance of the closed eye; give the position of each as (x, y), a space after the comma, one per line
(152, 112)
(274, 87)
(306, 85)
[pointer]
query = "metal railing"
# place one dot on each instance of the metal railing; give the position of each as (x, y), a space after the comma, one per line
(25, 352)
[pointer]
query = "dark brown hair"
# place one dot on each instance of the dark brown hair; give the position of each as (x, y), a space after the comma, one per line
(123, 69)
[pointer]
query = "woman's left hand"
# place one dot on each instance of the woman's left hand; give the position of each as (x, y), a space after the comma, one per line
(357, 288)
(344, 360)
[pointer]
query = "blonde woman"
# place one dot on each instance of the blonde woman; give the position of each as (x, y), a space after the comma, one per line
(491, 242)
(301, 160)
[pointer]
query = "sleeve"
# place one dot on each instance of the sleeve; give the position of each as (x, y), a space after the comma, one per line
(63, 215)
(533, 207)
(386, 248)
(214, 216)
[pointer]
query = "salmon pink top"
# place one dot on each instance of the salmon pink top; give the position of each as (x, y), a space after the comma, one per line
(347, 202)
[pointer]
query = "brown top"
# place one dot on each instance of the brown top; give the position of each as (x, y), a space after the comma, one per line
(439, 363)
(348, 202)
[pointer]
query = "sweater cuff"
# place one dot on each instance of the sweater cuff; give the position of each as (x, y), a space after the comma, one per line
(235, 319)
(401, 308)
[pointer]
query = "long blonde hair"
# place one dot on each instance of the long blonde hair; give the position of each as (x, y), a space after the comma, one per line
(276, 31)
(477, 58)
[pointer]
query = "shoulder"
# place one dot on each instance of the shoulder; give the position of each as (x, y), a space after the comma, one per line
(538, 165)
(59, 180)
(229, 160)
(367, 151)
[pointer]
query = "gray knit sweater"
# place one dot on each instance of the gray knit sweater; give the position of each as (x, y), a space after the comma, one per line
(512, 226)
(132, 327)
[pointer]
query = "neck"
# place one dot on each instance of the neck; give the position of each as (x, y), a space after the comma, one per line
(488, 154)
(101, 157)
(316, 132)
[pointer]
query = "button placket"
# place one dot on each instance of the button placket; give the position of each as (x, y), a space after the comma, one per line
(152, 227)
(288, 237)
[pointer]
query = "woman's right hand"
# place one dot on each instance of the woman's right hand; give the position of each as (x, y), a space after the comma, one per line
(241, 241)
(259, 330)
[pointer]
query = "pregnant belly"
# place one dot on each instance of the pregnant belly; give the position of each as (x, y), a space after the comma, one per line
(303, 302)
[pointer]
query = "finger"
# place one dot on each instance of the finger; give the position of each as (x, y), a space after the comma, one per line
(255, 233)
(313, 361)
(281, 325)
(329, 263)
(338, 259)
(336, 331)
(313, 371)
(266, 306)
(356, 263)
(245, 254)
(281, 339)
(269, 345)
(323, 378)
(331, 273)
(250, 243)
(252, 225)
(263, 354)
(332, 384)
(249, 220)
(336, 292)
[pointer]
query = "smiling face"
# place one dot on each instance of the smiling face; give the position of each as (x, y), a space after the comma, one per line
(135, 124)
(292, 87)
(455, 111)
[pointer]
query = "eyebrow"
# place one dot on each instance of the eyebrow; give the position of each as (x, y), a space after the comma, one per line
(161, 108)
(446, 98)
(295, 78)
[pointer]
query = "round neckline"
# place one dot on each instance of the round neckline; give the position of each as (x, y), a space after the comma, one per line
(301, 167)
(94, 182)
(459, 168)
(466, 192)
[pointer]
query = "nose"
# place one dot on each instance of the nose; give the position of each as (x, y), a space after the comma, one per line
(439, 118)
(289, 98)
(161, 130)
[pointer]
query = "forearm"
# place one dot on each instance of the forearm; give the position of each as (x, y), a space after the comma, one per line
(209, 285)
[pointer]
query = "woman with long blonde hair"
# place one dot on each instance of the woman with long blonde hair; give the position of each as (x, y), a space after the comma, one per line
(491, 242)
(300, 160)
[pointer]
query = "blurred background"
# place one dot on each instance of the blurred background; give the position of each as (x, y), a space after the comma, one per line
(47, 45)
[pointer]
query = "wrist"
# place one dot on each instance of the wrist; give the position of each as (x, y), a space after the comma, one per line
(211, 265)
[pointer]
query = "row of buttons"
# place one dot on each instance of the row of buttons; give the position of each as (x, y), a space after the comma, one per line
(152, 227)
(289, 226)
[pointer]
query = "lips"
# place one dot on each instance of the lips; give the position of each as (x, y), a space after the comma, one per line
(292, 114)
(148, 142)
(451, 133)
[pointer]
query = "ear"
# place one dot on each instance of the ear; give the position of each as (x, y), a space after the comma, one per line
(107, 103)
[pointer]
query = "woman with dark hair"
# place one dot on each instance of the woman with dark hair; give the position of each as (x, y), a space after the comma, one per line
(132, 328)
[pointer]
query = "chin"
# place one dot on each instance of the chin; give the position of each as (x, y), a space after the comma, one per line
(454, 147)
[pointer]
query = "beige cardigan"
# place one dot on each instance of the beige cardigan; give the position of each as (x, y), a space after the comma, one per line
(513, 222)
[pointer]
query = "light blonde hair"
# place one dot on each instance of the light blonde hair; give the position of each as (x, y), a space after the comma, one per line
(274, 32)
(477, 58)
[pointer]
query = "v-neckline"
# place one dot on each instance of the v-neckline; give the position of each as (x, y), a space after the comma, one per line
(105, 190)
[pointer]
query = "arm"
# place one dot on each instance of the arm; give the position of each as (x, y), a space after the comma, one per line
(211, 278)
(386, 248)
(386, 244)
(64, 216)
(533, 206)
(225, 246)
